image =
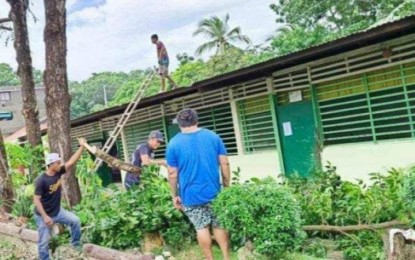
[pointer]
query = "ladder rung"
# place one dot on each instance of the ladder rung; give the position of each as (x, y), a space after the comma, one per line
(126, 115)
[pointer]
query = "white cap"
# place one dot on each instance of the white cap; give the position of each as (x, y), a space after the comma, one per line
(52, 157)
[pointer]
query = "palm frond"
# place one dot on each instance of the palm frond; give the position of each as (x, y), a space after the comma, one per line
(240, 38)
(206, 47)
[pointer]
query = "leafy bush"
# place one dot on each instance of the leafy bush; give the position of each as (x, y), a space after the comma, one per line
(23, 205)
(408, 195)
(326, 199)
(118, 219)
(265, 213)
(367, 245)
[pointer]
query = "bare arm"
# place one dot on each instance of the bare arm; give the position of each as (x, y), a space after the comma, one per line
(75, 157)
(225, 170)
(173, 176)
(38, 204)
(146, 160)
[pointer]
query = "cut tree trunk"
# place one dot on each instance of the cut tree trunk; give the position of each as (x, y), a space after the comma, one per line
(58, 99)
(6, 185)
(353, 228)
(402, 249)
(103, 253)
(112, 161)
(30, 110)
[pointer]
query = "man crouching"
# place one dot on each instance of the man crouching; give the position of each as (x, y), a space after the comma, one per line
(47, 199)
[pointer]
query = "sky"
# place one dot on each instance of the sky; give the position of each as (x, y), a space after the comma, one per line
(114, 35)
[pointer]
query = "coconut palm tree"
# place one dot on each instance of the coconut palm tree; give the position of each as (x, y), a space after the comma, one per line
(217, 31)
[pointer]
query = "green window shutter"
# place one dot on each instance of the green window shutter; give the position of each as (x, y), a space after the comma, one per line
(256, 124)
(219, 120)
(138, 133)
(374, 106)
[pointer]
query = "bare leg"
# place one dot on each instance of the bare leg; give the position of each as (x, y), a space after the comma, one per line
(205, 242)
(171, 81)
(163, 83)
(222, 237)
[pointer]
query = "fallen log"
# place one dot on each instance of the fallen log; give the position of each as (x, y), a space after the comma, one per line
(112, 161)
(104, 253)
(399, 248)
(353, 228)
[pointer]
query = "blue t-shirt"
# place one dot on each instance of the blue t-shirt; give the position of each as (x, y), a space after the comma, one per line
(196, 156)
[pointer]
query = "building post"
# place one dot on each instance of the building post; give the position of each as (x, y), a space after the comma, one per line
(274, 116)
(235, 121)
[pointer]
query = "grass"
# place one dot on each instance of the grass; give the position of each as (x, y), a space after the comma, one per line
(193, 252)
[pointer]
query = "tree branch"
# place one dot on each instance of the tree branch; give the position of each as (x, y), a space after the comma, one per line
(5, 20)
(352, 228)
(111, 161)
(2, 27)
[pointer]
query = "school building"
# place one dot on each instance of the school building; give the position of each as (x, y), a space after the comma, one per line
(350, 102)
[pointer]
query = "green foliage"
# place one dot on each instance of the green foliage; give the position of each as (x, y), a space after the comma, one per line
(23, 205)
(7, 76)
(314, 247)
(408, 194)
(332, 14)
(310, 23)
(220, 37)
(119, 219)
(326, 199)
(197, 70)
(264, 213)
(88, 96)
(367, 245)
(27, 157)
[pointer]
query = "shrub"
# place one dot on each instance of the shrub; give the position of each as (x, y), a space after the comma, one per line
(408, 195)
(118, 219)
(265, 213)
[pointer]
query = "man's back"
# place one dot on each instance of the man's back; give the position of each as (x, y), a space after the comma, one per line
(196, 156)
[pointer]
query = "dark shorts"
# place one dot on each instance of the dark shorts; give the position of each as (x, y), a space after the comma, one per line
(164, 67)
(202, 216)
(131, 180)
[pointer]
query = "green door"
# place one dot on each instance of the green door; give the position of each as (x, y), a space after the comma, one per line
(297, 134)
(172, 129)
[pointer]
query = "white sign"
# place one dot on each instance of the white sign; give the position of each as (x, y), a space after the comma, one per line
(295, 96)
(287, 129)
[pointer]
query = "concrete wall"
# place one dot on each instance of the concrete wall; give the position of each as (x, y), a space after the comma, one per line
(259, 165)
(15, 105)
(356, 161)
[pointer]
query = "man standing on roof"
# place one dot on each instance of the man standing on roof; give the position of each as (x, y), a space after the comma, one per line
(163, 61)
(47, 199)
(144, 155)
(193, 158)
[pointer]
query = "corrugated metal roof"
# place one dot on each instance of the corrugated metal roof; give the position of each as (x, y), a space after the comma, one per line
(379, 33)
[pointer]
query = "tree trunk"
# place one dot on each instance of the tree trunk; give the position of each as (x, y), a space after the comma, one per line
(353, 228)
(112, 161)
(58, 99)
(24, 60)
(6, 185)
(104, 253)
(402, 249)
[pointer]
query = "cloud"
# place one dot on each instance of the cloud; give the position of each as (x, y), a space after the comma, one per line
(114, 35)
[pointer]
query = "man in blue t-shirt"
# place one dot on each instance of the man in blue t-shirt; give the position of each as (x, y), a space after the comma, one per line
(144, 155)
(193, 159)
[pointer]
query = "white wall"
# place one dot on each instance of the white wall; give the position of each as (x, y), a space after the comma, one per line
(358, 160)
(258, 165)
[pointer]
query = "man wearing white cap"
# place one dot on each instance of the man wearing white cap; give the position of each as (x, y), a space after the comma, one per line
(144, 155)
(47, 199)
